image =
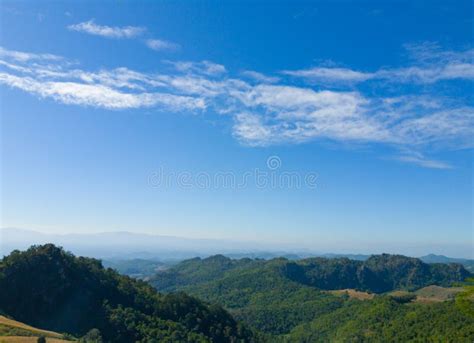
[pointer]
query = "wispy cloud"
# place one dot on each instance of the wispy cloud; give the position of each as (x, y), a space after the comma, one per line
(92, 28)
(159, 45)
(417, 158)
(261, 113)
(74, 93)
(330, 74)
(259, 77)
(27, 56)
(116, 32)
(430, 65)
(203, 67)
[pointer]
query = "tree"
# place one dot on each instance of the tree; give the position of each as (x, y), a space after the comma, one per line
(93, 336)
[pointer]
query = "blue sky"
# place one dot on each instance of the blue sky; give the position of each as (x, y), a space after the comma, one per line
(374, 98)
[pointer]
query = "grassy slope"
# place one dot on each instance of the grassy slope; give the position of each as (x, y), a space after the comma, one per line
(436, 293)
(353, 294)
(14, 331)
(22, 339)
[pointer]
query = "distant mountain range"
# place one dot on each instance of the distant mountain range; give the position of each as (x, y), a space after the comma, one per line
(124, 245)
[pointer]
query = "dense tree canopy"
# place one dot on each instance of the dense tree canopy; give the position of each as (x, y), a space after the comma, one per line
(379, 273)
(287, 298)
(50, 288)
(279, 300)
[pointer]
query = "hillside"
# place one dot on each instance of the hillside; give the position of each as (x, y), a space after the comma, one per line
(386, 320)
(279, 295)
(14, 331)
(432, 258)
(279, 300)
(379, 273)
(50, 288)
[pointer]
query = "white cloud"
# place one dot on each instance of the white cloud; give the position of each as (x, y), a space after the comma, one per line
(159, 45)
(431, 65)
(330, 74)
(259, 77)
(419, 159)
(26, 56)
(203, 67)
(92, 28)
(447, 126)
(278, 114)
(191, 84)
(73, 93)
(249, 128)
(293, 114)
(262, 113)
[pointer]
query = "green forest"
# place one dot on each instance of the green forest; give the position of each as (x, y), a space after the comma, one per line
(50, 288)
(386, 298)
(292, 300)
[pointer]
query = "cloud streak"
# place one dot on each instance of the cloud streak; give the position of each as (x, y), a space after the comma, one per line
(160, 45)
(20, 56)
(259, 77)
(261, 112)
(431, 65)
(125, 32)
(417, 158)
(116, 32)
(330, 74)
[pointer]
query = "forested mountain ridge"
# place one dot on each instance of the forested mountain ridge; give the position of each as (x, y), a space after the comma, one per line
(279, 300)
(48, 287)
(278, 296)
(432, 258)
(379, 273)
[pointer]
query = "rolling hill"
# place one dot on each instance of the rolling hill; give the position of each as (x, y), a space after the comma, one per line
(14, 331)
(244, 300)
(379, 273)
(279, 295)
(48, 287)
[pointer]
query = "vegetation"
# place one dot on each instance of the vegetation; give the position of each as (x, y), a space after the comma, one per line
(465, 300)
(386, 320)
(14, 331)
(137, 267)
(384, 298)
(377, 274)
(48, 287)
(435, 293)
(10, 327)
(431, 258)
(292, 300)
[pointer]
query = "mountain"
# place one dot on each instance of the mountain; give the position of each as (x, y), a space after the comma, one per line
(115, 245)
(278, 295)
(432, 258)
(123, 245)
(378, 273)
(280, 300)
(50, 288)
